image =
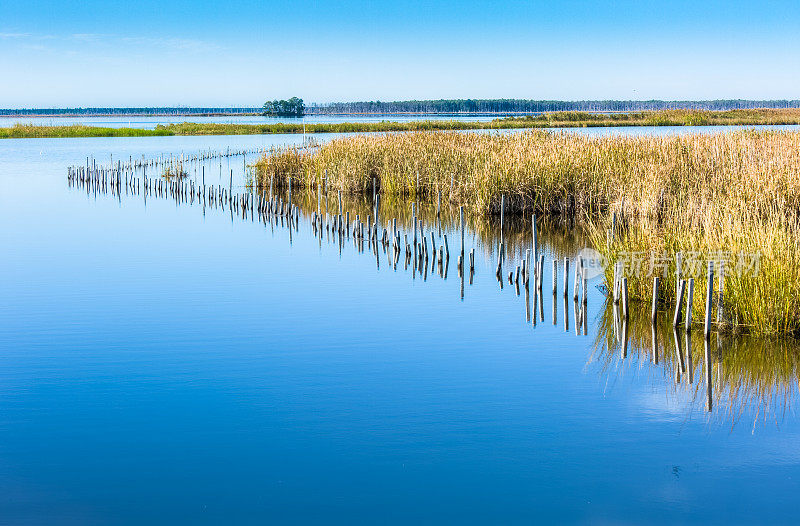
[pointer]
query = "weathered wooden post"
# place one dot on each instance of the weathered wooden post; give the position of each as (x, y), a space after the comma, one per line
(461, 216)
(502, 216)
(689, 303)
(676, 319)
(654, 308)
(625, 297)
(709, 298)
(534, 235)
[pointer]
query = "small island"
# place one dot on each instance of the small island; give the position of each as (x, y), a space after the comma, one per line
(293, 107)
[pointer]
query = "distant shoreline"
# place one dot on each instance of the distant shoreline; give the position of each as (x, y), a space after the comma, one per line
(310, 114)
(547, 120)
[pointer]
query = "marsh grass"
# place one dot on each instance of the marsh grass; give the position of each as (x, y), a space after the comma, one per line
(31, 131)
(729, 192)
(566, 119)
(174, 170)
(547, 120)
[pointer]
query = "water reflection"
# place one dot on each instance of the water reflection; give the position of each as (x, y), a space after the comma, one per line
(743, 377)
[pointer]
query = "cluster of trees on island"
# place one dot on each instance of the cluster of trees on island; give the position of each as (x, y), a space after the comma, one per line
(293, 107)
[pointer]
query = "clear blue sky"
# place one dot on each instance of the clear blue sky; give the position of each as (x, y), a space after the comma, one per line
(244, 52)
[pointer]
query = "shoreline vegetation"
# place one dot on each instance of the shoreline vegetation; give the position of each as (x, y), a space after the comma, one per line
(715, 196)
(546, 120)
(419, 107)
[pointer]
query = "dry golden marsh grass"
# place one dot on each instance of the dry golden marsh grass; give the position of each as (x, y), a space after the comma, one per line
(731, 196)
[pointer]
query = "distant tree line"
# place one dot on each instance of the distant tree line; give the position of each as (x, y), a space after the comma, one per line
(176, 110)
(296, 107)
(538, 106)
(293, 107)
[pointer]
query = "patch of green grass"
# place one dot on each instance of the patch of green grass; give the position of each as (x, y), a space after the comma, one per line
(31, 131)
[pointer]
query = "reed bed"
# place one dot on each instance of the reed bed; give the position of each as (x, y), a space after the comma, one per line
(716, 196)
(567, 119)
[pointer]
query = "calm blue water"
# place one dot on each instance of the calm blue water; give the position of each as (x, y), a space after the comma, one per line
(166, 364)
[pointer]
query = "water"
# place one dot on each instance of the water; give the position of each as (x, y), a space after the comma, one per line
(150, 122)
(163, 363)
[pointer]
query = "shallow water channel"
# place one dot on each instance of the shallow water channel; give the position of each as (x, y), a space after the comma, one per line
(162, 360)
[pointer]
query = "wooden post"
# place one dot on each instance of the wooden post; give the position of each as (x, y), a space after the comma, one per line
(689, 303)
(461, 215)
(534, 236)
(502, 215)
(676, 319)
(654, 308)
(625, 297)
(709, 298)
(566, 281)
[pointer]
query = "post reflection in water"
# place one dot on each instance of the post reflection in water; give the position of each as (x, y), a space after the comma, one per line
(744, 376)
(709, 390)
(689, 368)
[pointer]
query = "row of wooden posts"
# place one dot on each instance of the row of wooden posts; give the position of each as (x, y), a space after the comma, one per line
(92, 168)
(531, 265)
(94, 176)
(263, 205)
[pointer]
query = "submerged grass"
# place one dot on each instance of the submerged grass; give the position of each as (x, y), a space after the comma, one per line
(567, 119)
(710, 196)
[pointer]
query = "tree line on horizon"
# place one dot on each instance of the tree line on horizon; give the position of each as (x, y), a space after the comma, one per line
(540, 106)
(144, 110)
(296, 107)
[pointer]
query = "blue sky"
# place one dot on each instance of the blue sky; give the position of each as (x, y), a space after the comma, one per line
(244, 52)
